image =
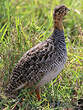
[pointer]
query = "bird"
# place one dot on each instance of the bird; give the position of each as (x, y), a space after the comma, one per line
(43, 62)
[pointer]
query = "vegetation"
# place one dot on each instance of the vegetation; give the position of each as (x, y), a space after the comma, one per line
(24, 23)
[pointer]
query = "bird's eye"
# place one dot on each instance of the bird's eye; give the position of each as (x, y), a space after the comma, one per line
(65, 9)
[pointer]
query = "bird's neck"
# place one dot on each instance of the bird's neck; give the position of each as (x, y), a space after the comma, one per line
(58, 24)
(58, 34)
(58, 37)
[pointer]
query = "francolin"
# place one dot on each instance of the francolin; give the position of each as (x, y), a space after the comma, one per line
(43, 62)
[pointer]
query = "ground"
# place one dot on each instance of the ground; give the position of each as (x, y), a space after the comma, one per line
(23, 24)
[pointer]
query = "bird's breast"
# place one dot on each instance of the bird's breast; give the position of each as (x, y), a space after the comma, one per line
(53, 69)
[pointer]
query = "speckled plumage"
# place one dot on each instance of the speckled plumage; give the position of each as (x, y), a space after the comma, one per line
(41, 63)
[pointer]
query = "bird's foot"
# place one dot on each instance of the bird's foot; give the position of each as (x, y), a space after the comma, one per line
(38, 94)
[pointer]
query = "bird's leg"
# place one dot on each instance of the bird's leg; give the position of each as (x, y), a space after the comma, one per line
(38, 93)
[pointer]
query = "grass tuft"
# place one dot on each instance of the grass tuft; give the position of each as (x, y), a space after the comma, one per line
(23, 24)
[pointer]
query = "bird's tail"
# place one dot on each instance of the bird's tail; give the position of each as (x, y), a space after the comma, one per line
(11, 91)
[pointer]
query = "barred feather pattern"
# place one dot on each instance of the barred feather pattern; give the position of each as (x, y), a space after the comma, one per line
(40, 64)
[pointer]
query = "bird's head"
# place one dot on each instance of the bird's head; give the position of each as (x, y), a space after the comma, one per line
(60, 11)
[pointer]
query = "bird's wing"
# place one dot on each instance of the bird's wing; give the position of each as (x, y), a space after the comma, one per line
(30, 67)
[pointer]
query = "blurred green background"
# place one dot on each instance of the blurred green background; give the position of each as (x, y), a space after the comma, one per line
(23, 24)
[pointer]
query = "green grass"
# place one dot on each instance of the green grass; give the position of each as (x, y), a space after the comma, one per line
(23, 24)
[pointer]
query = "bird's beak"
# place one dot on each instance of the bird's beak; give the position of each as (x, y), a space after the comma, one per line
(68, 9)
